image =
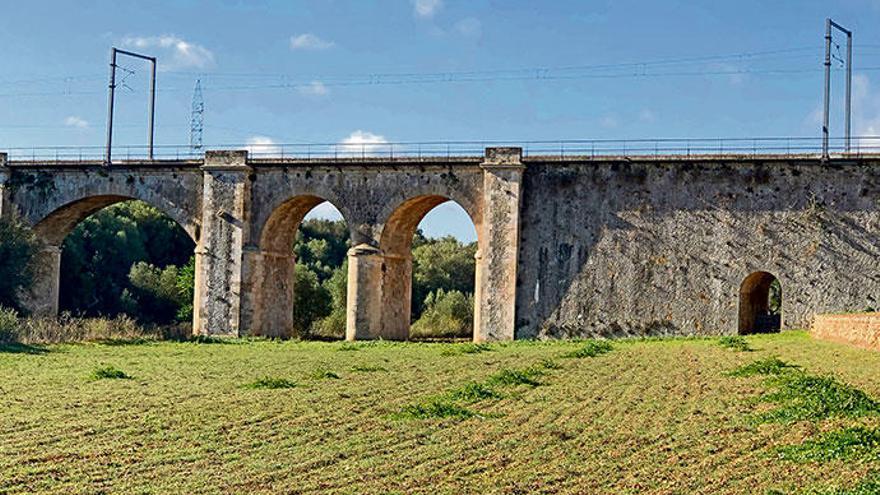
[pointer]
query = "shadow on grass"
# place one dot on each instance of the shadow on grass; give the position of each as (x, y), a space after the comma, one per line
(16, 348)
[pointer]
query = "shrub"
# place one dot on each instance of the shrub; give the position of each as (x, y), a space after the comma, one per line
(516, 377)
(311, 300)
(109, 373)
(156, 294)
(323, 373)
(332, 326)
(8, 325)
(18, 246)
(446, 314)
(443, 263)
(769, 366)
(734, 342)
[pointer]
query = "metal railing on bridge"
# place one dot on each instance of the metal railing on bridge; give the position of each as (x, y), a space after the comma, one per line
(434, 150)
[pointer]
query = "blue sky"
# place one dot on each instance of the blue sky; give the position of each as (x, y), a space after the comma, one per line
(353, 71)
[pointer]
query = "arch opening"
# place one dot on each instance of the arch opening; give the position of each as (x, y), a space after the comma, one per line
(301, 280)
(107, 256)
(760, 304)
(430, 280)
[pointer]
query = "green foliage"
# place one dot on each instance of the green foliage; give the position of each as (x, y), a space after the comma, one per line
(332, 326)
(18, 246)
(734, 342)
(768, 366)
(99, 254)
(591, 349)
(870, 485)
(775, 297)
(322, 246)
(322, 373)
(8, 325)
(807, 397)
(445, 264)
(109, 373)
(186, 288)
(270, 383)
(446, 314)
(155, 294)
(508, 376)
(858, 443)
(474, 392)
(311, 300)
(434, 408)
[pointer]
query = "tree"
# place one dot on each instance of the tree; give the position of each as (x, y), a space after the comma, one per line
(322, 245)
(18, 245)
(446, 314)
(443, 263)
(333, 325)
(311, 301)
(100, 252)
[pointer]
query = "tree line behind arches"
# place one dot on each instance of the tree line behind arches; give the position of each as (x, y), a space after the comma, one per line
(130, 259)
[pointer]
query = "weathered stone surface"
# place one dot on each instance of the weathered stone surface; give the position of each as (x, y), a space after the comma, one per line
(657, 247)
(586, 247)
(860, 329)
(220, 269)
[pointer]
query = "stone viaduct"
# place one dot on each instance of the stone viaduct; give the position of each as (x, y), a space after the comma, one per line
(567, 247)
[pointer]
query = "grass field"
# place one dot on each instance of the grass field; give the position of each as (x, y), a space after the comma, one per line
(525, 417)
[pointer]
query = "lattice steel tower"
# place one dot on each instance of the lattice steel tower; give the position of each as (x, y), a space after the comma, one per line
(197, 118)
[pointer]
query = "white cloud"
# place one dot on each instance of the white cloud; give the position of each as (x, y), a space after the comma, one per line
(647, 115)
(609, 122)
(76, 122)
(427, 8)
(262, 147)
(314, 88)
(308, 41)
(172, 51)
(362, 142)
(470, 27)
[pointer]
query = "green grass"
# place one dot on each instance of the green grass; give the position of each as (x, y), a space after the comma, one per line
(657, 416)
(109, 373)
(800, 397)
(322, 373)
(465, 348)
(592, 348)
(735, 343)
(855, 443)
(270, 383)
(767, 366)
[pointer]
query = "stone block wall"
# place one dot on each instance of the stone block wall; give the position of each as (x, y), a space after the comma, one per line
(858, 329)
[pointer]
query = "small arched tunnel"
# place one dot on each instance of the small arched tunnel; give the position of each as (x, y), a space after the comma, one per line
(396, 243)
(760, 304)
(276, 294)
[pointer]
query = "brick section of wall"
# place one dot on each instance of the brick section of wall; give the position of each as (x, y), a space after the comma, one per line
(860, 329)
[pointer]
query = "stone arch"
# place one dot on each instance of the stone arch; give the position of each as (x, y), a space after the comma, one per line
(43, 297)
(55, 227)
(270, 293)
(395, 244)
(755, 314)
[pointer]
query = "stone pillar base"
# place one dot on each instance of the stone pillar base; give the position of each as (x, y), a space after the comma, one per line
(364, 311)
